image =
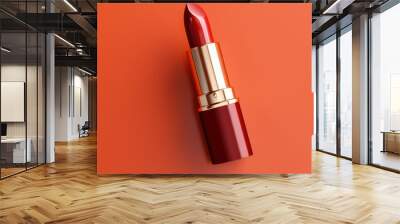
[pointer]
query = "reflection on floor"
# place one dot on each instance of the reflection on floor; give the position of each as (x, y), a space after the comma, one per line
(12, 169)
(346, 152)
(70, 191)
(386, 159)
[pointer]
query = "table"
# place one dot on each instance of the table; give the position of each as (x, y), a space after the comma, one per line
(391, 141)
(13, 150)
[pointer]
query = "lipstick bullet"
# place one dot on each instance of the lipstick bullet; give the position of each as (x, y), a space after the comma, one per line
(219, 109)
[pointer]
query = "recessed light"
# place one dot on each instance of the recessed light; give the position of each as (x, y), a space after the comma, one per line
(70, 5)
(5, 50)
(64, 40)
(84, 71)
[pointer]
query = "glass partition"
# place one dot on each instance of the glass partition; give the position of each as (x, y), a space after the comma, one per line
(31, 100)
(34, 43)
(22, 77)
(41, 91)
(14, 153)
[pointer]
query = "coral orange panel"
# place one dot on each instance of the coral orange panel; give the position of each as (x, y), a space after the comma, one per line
(147, 110)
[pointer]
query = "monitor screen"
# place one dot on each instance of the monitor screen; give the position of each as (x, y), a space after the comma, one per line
(3, 129)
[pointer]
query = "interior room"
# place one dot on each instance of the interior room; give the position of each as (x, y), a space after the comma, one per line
(22, 101)
(49, 127)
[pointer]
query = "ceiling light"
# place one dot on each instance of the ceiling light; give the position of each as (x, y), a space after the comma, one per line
(84, 71)
(70, 5)
(5, 50)
(65, 41)
(80, 51)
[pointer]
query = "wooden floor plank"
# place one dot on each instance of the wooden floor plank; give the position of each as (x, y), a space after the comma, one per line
(69, 191)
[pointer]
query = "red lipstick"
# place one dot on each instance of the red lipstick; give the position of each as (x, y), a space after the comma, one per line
(219, 109)
(197, 26)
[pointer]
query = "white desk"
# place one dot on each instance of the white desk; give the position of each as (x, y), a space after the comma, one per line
(18, 149)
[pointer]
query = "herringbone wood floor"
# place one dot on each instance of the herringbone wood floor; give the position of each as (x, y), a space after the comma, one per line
(69, 191)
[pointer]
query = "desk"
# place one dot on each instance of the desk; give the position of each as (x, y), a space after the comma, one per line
(13, 150)
(391, 141)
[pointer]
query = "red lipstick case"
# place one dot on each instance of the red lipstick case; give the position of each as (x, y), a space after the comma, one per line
(219, 110)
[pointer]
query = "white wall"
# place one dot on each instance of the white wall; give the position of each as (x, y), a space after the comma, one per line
(71, 102)
(62, 81)
(80, 84)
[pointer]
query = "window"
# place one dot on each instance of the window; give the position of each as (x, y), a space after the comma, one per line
(385, 89)
(327, 95)
(346, 92)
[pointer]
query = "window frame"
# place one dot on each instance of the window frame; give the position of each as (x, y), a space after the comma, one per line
(337, 35)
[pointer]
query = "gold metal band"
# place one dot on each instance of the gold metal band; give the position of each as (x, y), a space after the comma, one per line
(210, 77)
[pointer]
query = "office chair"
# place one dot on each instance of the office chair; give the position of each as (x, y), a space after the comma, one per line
(84, 130)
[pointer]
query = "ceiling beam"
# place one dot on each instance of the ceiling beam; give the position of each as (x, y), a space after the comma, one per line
(320, 22)
(84, 24)
(337, 7)
(82, 61)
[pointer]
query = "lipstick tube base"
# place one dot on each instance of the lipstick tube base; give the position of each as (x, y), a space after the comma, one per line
(226, 133)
